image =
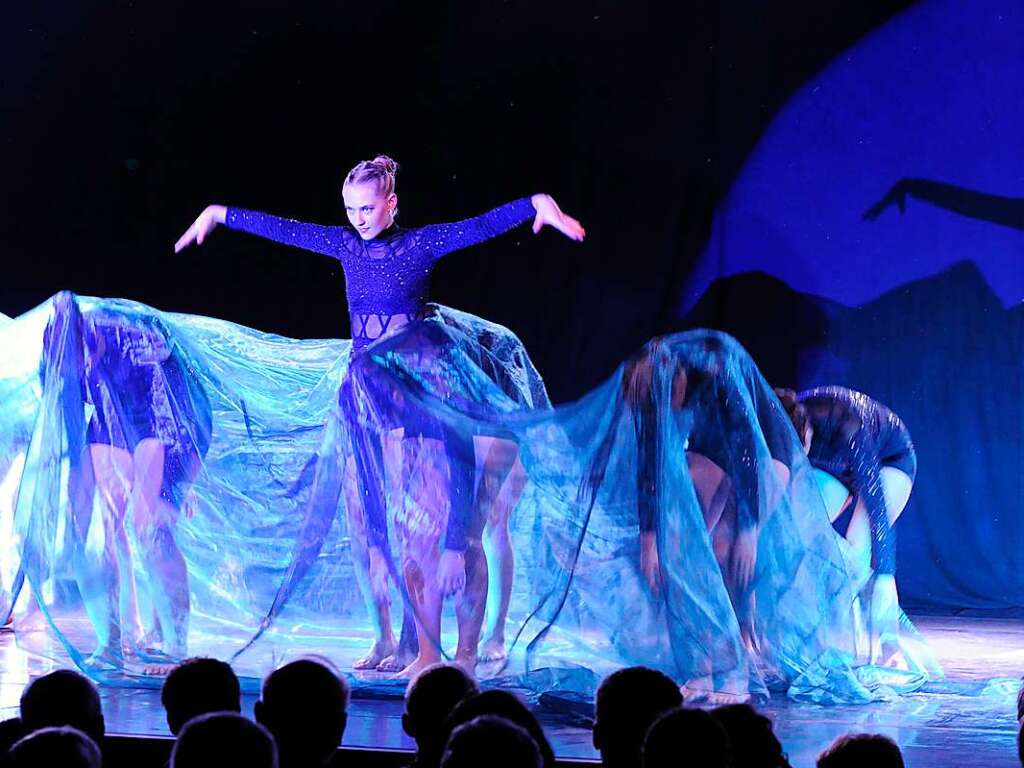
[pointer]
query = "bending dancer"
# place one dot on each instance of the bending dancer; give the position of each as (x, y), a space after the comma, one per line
(146, 429)
(444, 371)
(721, 461)
(864, 459)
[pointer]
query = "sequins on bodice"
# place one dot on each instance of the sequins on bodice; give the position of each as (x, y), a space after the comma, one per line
(388, 276)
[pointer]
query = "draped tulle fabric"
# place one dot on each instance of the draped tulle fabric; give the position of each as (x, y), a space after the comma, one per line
(175, 485)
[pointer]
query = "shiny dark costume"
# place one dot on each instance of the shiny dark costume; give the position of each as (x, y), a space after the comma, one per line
(134, 386)
(138, 387)
(854, 437)
(710, 415)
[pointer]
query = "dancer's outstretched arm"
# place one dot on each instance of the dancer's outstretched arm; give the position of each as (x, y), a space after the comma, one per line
(442, 239)
(328, 240)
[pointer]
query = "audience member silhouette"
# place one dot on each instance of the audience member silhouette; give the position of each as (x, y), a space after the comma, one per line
(55, 747)
(627, 704)
(684, 737)
(429, 699)
(61, 698)
(856, 750)
(304, 705)
(223, 740)
(503, 704)
(753, 740)
(10, 731)
(493, 742)
(197, 686)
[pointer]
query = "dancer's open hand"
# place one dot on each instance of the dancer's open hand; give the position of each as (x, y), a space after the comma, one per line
(744, 557)
(451, 572)
(650, 564)
(549, 213)
(201, 228)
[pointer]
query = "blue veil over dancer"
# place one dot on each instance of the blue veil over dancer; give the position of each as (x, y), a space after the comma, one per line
(669, 517)
(422, 460)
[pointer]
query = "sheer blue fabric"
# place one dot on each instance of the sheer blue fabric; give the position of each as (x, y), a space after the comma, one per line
(180, 485)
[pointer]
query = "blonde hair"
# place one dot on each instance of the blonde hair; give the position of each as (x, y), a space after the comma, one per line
(381, 171)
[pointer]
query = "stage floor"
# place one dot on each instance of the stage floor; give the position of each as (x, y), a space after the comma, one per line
(969, 720)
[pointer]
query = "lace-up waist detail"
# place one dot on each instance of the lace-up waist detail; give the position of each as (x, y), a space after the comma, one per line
(370, 326)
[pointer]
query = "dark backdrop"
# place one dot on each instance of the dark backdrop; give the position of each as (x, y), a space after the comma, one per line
(120, 120)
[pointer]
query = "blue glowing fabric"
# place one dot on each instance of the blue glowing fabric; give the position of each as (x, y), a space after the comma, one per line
(179, 485)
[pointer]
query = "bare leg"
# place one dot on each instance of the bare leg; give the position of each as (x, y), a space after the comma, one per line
(378, 605)
(105, 578)
(420, 527)
(834, 494)
(163, 565)
(505, 478)
(717, 501)
(402, 654)
(470, 608)
(884, 616)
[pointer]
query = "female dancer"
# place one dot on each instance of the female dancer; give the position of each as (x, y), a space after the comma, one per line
(864, 460)
(397, 334)
(146, 428)
(720, 445)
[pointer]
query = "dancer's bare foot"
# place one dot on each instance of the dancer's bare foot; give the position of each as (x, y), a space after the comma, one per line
(493, 650)
(416, 666)
(380, 650)
(107, 657)
(467, 661)
(397, 661)
(700, 690)
(158, 670)
(887, 652)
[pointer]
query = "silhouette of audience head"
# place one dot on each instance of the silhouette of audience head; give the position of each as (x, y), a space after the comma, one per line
(753, 740)
(197, 686)
(10, 731)
(628, 702)
(220, 739)
(686, 737)
(854, 750)
(429, 699)
(492, 741)
(304, 705)
(61, 746)
(508, 706)
(61, 698)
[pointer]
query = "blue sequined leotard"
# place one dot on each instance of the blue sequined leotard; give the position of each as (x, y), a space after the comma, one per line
(387, 284)
(390, 274)
(854, 437)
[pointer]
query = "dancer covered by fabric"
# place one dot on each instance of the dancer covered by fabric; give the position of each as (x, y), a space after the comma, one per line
(732, 537)
(865, 463)
(724, 472)
(395, 452)
(137, 425)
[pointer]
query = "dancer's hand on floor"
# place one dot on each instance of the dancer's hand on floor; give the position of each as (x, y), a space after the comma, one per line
(451, 572)
(650, 565)
(744, 557)
(202, 227)
(549, 213)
